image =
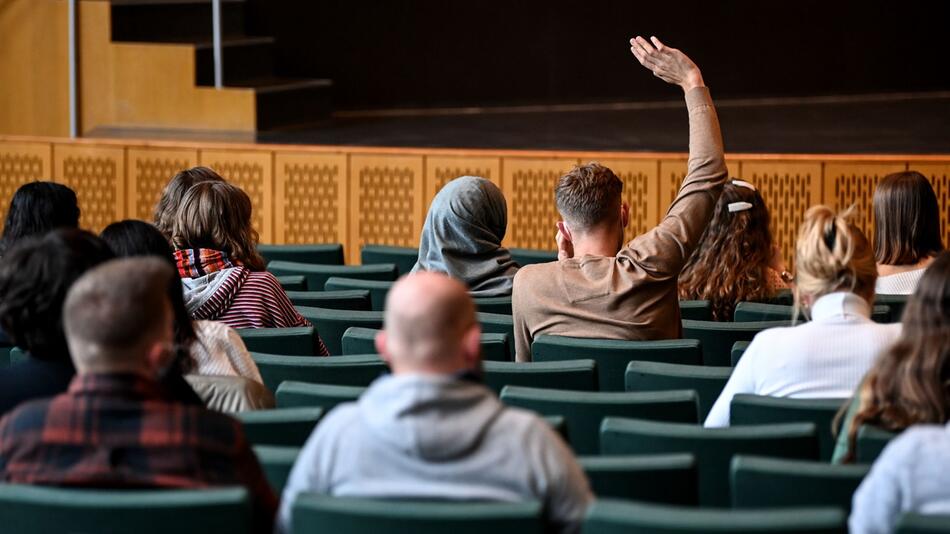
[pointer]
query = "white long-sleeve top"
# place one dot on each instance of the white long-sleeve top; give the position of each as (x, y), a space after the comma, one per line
(220, 351)
(824, 358)
(904, 283)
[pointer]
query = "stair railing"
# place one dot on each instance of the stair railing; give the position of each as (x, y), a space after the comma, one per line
(216, 42)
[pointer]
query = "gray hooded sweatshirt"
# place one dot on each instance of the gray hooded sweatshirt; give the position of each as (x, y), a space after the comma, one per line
(438, 437)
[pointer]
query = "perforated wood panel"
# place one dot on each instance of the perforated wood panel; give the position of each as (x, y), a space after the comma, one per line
(252, 172)
(150, 169)
(97, 174)
(310, 199)
(441, 170)
(386, 204)
(672, 174)
(848, 183)
(21, 163)
(939, 174)
(641, 184)
(532, 213)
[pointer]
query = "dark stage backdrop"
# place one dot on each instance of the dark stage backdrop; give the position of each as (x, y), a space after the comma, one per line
(423, 53)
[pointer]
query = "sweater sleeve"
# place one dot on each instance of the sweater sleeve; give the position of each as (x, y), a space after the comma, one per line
(569, 493)
(741, 381)
(522, 332)
(877, 501)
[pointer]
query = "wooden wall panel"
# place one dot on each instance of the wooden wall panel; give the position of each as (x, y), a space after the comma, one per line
(310, 201)
(150, 169)
(441, 170)
(97, 174)
(252, 171)
(853, 182)
(528, 184)
(641, 186)
(22, 163)
(939, 174)
(672, 174)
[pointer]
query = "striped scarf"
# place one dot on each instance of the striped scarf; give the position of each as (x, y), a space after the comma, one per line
(197, 262)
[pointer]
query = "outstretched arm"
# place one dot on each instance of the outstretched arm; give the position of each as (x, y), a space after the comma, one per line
(668, 64)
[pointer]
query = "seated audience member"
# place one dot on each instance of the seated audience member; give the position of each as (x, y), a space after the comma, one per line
(462, 237)
(113, 427)
(431, 430)
(217, 259)
(908, 384)
(906, 231)
(597, 289)
(736, 260)
(167, 208)
(828, 356)
(35, 275)
(37, 208)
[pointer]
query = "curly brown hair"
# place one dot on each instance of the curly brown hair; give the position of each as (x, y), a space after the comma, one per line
(731, 262)
(167, 207)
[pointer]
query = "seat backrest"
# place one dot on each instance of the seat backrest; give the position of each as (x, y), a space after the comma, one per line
(870, 443)
(293, 282)
(47, 510)
(276, 461)
(713, 447)
(497, 323)
(585, 410)
(697, 310)
(912, 523)
(348, 299)
(317, 275)
(325, 254)
(760, 410)
(578, 375)
(378, 289)
(659, 478)
(18, 355)
(707, 382)
(293, 394)
(613, 355)
(759, 482)
(404, 258)
(528, 256)
(331, 324)
(357, 340)
(497, 305)
(759, 311)
(717, 338)
(896, 303)
(356, 370)
(281, 426)
(738, 349)
(296, 341)
(340, 515)
(607, 516)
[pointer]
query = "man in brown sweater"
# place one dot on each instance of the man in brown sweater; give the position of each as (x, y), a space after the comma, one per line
(597, 288)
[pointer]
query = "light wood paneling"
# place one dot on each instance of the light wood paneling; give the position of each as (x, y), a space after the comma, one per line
(21, 163)
(441, 170)
(97, 174)
(150, 169)
(853, 182)
(672, 174)
(641, 186)
(311, 198)
(528, 184)
(939, 174)
(252, 171)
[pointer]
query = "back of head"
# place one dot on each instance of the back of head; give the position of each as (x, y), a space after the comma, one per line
(906, 219)
(35, 275)
(167, 207)
(832, 254)
(217, 215)
(589, 196)
(37, 208)
(115, 313)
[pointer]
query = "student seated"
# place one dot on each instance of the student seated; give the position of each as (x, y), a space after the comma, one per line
(908, 384)
(462, 237)
(114, 427)
(167, 208)
(217, 259)
(35, 209)
(828, 356)
(597, 289)
(736, 259)
(906, 231)
(431, 430)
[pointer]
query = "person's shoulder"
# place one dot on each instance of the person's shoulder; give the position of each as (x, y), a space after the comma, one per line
(264, 278)
(525, 426)
(27, 415)
(930, 443)
(535, 273)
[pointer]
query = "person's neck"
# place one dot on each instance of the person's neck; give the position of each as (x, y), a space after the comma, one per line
(887, 270)
(596, 243)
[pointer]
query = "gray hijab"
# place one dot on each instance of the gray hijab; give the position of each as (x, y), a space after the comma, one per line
(462, 237)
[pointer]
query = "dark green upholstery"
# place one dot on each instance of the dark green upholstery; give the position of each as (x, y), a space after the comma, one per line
(585, 410)
(317, 275)
(713, 447)
(717, 338)
(763, 410)
(49, 510)
(922, 524)
(277, 462)
(896, 303)
(297, 341)
(357, 370)
(758, 311)
(613, 355)
(697, 310)
(314, 513)
(404, 258)
(579, 375)
(378, 289)
(559, 424)
(497, 305)
(350, 299)
(18, 355)
(5, 356)
(738, 349)
(528, 256)
(758, 482)
(870, 443)
(333, 323)
(293, 282)
(609, 516)
(327, 254)
(282, 426)
(707, 382)
(783, 297)
(660, 478)
(357, 340)
(497, 323)
(292, 394)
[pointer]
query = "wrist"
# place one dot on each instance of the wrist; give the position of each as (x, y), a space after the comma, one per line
(693, 80)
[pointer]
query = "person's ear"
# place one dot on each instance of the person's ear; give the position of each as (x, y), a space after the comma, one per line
(472, 346)
(380, 342)
(624, 214)
(158, 358)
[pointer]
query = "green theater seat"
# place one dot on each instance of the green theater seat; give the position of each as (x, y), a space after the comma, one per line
(758, 482)
(282, 426)
(276, 461)
(896, 303)
(738, 349)
(317, 275)
(351, 299)
(403, 257)
(333, 323)
(325, 254)
(356, 340)
(496, 305)
(293, 282)
(697, 310)
(871, 442)
(297, 341)
(922, 524)
(378, 289)
(758, 311)
(357, 370)
(762, 410)
(718, 338)
(659, 478)
(297, 394)
(579, 375)
(528, 256)
(497, 323)
(707, 382)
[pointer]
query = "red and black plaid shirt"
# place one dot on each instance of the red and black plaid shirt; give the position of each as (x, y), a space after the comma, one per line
(118, 431)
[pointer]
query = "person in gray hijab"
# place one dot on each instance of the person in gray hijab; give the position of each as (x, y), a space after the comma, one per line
(462, 237)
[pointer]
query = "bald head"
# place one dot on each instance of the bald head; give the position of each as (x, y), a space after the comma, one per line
(429, 325)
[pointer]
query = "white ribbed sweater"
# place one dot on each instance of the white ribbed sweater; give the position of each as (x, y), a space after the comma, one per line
(220, 351)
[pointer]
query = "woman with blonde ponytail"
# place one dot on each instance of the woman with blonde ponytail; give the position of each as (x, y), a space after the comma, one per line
(826, 357)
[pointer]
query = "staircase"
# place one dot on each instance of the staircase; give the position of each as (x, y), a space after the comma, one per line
(247, 61)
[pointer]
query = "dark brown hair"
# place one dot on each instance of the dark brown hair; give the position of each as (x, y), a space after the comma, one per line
(167, 207)
(731, 262)
(906, 219)
(588, 195)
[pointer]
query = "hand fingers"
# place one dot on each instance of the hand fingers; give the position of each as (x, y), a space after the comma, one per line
(646, 45)
(659, 44)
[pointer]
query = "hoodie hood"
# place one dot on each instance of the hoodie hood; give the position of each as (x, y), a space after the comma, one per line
(209, 296)
(430, 417)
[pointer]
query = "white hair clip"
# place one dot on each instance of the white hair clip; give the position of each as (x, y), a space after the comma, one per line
(743, 183)
(739, 206)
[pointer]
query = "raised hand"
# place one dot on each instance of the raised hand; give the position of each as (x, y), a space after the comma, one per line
(667, 64)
